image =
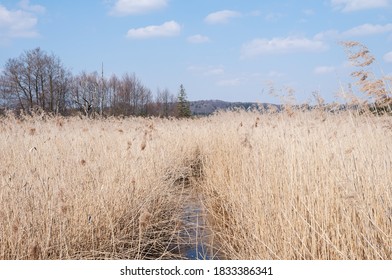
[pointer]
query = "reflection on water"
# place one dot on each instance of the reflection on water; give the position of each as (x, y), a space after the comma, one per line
(198, 253)
(195, 234)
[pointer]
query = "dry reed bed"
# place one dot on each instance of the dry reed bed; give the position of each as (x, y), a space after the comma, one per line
(274, 186)
(89, 189)
(306, 186)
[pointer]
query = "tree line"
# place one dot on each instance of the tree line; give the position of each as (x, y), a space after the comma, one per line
(37, 80)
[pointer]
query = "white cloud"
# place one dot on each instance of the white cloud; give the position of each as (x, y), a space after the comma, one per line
(388, 57)
(18, 23)
(214, 71)
(25, 5)
(221, 17)
(327, 35)
(130, 7)
(258, 47)
(273, 17)
(320, 70)
(368, 29)
(255, 13)
(198, 39)
(168, 29)
(357, 31)
(356, 5)
(229, 82)
(194, 68)
(308, 12)
(210, 70)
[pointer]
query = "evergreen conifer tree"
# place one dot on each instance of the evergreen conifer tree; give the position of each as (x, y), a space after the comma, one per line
(183, 106)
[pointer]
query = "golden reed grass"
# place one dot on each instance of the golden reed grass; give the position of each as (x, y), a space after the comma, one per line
(288, 185)
(305, 186)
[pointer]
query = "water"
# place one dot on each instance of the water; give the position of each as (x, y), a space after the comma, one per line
(198, 253)
(195, 234)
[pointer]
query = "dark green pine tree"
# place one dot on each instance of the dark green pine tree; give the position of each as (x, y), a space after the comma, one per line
(183, 106)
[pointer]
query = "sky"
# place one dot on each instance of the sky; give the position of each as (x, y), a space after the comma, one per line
(232, 50)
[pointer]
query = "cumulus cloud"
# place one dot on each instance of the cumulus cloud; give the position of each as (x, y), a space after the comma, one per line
(356, 5)
(25, 5)
(320, 70)
(198, 39)
(21, 23)
(388, 57)
(130, 7)
(167, 29)
(331, 34)
(258, 47)
(357, 31)
(368, 29)
(221, 17)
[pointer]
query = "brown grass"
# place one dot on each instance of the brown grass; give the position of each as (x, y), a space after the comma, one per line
(290, 185)
(80, 191)
(307, 186)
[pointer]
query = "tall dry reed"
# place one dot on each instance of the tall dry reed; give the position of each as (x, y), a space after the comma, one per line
(89, 189)
(302, 186)
(280, 185)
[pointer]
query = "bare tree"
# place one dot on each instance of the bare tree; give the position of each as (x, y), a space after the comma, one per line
(112, 88)
(124, 94)
(57, 85)
(145, 101)
(86, 92)
(7, 97)
(103, 93)
(165, 102)
(36, 79)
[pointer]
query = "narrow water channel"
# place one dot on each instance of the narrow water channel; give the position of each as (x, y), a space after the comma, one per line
(197, 242)
(195, 238)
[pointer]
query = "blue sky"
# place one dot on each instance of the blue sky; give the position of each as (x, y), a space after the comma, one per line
(230, 50)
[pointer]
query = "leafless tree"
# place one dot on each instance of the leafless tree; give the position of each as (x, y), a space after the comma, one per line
(112, 88)
(85, 92)
(165, 103)
(36, 79)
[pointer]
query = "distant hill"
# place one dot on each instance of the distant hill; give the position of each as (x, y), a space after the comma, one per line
(207, 107)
